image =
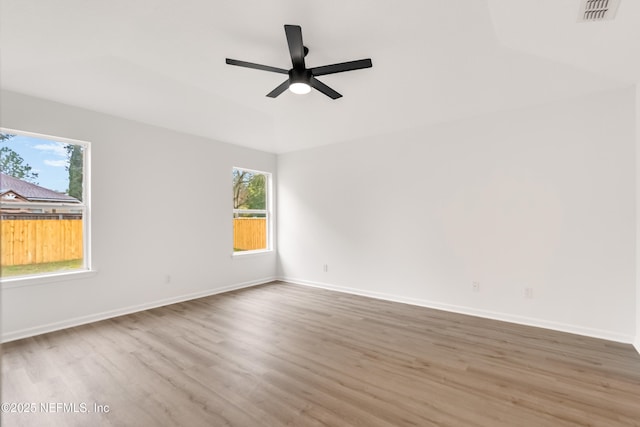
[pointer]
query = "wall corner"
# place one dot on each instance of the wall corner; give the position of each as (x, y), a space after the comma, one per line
(637, 246)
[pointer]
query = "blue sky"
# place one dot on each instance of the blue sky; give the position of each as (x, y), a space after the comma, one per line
(48, 158)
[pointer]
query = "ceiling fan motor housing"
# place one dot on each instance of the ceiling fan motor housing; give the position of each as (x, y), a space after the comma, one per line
(299, 76)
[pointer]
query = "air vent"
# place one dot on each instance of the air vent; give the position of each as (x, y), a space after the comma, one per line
(597, 10)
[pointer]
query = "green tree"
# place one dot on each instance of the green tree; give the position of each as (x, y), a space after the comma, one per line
(256, 192)
(12, 163)
(249, 190)
(75, 168)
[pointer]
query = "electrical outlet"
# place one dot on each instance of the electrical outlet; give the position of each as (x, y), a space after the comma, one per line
(325, 268)
(475, 286)
(167, 278)
(528, 293)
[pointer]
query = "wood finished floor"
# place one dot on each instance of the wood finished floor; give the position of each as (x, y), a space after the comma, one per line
(286, 355)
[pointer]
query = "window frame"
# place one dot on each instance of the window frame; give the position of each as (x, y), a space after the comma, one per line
(268, 212)
(84, 207)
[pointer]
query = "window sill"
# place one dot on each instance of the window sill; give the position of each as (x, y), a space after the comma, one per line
(244, 254)
(45, 279)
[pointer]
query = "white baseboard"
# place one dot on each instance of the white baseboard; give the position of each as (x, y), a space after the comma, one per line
(636, 344)
(83, 320)
(505, 317)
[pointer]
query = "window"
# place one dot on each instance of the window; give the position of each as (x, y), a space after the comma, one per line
(43, 205)
(251, 211)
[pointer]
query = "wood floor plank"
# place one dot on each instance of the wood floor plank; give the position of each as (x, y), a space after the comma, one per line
(288, 355)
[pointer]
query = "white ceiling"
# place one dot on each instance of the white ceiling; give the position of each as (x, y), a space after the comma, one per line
(162, 62)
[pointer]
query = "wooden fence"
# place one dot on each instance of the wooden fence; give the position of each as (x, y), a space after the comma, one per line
(34, 241)
(249, 234)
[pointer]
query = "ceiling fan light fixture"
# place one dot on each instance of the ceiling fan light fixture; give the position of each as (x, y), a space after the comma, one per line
(300, 88)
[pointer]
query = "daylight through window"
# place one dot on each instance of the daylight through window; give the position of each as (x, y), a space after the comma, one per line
(251, 210)
(43, 205)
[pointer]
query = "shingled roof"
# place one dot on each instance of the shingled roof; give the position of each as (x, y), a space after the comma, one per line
(32, 192)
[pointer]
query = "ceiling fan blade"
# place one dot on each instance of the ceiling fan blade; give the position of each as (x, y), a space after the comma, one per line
(277, 91)
(296, 48)
(343, 66)
(324, 88)
(256, 66)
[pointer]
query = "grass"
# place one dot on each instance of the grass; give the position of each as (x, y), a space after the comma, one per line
(46, 267)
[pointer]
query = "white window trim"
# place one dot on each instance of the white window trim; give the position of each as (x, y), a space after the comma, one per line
(46, 278)
(267, 212)
(86, 271)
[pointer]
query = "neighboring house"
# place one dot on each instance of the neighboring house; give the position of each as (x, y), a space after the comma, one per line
(16, 190)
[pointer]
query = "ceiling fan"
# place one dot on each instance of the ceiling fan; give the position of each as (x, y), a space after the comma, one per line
(302, 79)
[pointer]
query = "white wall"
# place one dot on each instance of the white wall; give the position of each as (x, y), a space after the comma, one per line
(161, 206)
(541, 197)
